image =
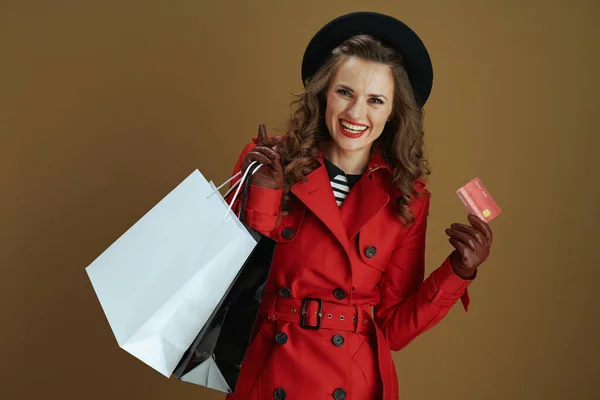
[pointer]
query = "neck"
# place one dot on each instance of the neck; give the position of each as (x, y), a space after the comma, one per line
(351, 162)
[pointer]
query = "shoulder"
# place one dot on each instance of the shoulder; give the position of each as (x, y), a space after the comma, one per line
(420, 186)
(419, 198)
(419, 203)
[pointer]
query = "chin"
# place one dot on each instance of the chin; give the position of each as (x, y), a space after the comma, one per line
(347, 144)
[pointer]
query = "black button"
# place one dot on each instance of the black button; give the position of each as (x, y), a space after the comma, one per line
(287, 233)
(284, 292)
(339, 294)
(281, 338)
(370, 251)
(339, 394)
(337, 340)
(280, 394)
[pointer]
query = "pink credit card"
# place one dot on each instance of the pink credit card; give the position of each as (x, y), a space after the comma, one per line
(478, 200)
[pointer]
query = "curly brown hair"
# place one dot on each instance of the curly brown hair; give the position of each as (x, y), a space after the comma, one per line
(401, 139)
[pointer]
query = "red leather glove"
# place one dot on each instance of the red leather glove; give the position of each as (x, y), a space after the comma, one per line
(270, 175)
(472, 246)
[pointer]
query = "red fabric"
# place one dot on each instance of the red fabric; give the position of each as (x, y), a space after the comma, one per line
(334, 316)
(328, 251)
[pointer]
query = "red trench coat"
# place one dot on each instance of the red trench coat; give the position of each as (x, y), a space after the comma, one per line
(367, 276)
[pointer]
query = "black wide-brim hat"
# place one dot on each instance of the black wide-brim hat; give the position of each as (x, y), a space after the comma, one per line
(389, 31)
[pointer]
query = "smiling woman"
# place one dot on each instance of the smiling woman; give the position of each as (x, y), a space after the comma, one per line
(343, 195)
(355, 116)
(365, 90)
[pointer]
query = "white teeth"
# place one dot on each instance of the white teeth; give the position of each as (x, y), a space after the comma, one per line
(354, 128)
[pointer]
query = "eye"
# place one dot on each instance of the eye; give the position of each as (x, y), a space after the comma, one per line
(344, 92)
(377, 100)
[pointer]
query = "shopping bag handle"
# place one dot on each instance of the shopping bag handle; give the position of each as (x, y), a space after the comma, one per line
(251, 168)
(225, 183)
(244, 195)
(231, 189)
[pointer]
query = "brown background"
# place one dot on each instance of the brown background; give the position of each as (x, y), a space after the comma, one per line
(104, 108)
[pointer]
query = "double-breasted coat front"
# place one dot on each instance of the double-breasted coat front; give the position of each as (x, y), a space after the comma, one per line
(346, 288)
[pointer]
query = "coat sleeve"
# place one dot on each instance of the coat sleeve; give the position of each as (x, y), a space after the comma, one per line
(410, 305)
(262, 205)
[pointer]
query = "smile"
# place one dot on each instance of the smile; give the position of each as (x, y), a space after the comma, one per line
(352, 130)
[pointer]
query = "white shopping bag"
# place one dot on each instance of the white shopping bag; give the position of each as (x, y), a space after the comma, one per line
(160, 281)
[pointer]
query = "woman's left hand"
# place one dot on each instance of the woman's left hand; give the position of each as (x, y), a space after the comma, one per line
(472, 244)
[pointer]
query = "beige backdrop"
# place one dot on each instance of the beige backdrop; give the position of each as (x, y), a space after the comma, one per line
(104, 108)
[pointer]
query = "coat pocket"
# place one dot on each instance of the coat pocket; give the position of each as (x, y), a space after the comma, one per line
(372, 261)
(289, 226)
(373, 251)
(365, 373)
(257, 354)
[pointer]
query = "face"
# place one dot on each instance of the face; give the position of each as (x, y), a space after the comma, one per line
(359, 103)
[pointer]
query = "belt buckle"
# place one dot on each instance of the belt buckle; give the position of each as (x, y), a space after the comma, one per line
(319, 313)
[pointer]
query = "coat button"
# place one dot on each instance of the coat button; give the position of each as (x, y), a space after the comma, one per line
(339, 394)
(279, 394)
(370, 251)
(337, 340)
(281, 338)
(287, 233)
(285, 292)
(339, 294)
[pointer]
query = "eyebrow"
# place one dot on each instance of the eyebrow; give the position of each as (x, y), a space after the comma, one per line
(348, 88)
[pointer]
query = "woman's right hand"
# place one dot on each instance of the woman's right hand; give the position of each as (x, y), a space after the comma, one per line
(270, 175)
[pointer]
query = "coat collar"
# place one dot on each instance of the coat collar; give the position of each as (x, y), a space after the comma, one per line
(316, 194)
(376, 161)
(365, 199)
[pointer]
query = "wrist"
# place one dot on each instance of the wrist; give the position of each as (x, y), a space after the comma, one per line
(465, 274)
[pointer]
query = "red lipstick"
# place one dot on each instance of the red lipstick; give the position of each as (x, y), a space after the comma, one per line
(349, 134)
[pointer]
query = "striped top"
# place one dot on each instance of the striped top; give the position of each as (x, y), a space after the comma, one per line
(341, 183)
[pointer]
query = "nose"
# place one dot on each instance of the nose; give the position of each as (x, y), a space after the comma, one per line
(356, 110)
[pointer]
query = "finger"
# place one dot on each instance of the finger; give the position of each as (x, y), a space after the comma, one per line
(482, 226)
(275, 163)
(460, 247)
(262, 134)
(268, 152)
(471, 231)
(462, 237)
(273, 141)
(468, 230)
(255, 156)
(474, 230)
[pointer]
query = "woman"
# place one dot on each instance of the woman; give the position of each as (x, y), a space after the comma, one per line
(343, 194)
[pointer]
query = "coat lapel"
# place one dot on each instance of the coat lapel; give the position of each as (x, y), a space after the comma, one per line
(364, 201)
(366, 198)
(317, 195)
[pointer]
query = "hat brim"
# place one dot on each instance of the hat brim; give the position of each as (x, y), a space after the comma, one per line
(390, 31)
